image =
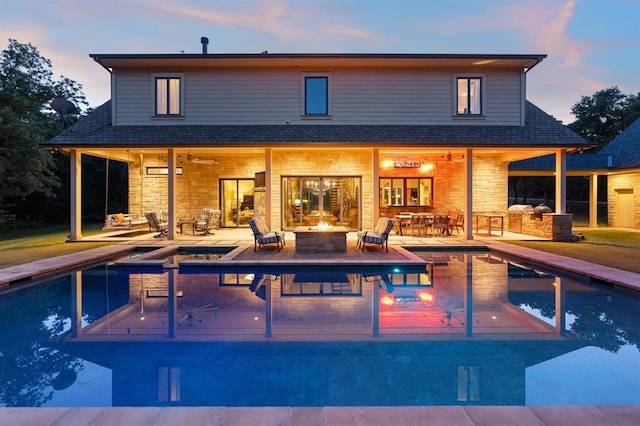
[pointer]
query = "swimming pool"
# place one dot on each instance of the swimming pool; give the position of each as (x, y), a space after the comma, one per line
(472, 328)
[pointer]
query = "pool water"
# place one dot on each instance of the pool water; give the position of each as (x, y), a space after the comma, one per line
(472, 328)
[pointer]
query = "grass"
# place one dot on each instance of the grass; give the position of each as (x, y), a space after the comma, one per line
(29, 245)
(615, 248)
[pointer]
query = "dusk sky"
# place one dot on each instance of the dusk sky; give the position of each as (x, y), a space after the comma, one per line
(591, 44)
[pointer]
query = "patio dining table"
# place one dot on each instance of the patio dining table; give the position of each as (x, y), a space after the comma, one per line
(404, 220)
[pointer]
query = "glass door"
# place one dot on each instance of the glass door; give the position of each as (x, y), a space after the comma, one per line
(310, 200)
(236, 202)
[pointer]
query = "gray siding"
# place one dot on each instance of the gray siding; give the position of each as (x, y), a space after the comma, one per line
(357, 97)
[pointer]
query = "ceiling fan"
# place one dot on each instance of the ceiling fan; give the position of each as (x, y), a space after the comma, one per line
(193, 159)
(450, 158)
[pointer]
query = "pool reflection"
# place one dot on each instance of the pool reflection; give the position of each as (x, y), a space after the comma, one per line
(464, 330)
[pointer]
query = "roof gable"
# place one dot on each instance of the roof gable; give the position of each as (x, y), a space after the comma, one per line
(624, 149)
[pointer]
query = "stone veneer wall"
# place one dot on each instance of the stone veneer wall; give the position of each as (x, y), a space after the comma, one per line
(629, 181)
(197, 187)
(490, 185)
(553, 226)
(330, 162)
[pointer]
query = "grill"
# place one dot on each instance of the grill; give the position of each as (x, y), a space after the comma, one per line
(514, 216)
(541, 208)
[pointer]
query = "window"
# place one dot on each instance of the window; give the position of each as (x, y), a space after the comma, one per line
(406, 192)
(316, 96)
(168, 96)
(469, 96)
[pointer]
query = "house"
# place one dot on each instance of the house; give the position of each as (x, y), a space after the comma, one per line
(619, 160)
(623, 182)
(308, 138)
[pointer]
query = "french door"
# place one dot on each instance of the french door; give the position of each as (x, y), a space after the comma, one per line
(309, 200)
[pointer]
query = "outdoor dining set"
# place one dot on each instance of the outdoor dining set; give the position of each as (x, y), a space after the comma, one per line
(424, 224)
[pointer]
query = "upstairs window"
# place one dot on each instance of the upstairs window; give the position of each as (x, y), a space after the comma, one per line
(469, 95)
(168, 96)
(316, 95)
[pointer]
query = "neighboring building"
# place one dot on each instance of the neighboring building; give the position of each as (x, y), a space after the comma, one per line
(619, 160)
(623, 182)
(300, 138)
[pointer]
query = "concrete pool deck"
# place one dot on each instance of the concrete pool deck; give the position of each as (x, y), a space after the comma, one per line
(411, 415)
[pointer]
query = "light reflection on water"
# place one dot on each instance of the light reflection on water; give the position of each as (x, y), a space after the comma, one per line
(470, 328)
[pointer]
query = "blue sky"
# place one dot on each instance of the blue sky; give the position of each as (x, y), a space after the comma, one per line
(591, 44)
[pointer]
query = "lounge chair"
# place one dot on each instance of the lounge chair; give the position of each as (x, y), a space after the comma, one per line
(156, 224)
(263, 236)
(379, 235)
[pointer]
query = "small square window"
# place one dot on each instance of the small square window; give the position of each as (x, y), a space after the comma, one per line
(316, 95)
(469, 96)
(168, 96)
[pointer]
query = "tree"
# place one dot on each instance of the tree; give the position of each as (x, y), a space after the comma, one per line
(27, 88)
(604, 115)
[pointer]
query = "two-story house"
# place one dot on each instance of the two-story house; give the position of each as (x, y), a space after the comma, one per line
(302, 138)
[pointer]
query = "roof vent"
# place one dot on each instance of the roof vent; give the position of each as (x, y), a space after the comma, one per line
(205, 43)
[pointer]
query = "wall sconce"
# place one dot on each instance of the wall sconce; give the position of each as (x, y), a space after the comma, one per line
(426, 167)
(386, 164)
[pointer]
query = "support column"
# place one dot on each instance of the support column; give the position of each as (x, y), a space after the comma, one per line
(468, 194)
(561, 181)
(593, 201)
(171, 160)
(374, 189)
(267, 188)
(76, 196)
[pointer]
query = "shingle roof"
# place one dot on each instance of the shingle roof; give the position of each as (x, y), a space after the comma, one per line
(95, 130)
(625, 148)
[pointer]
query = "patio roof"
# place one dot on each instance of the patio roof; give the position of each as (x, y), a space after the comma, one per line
(95, 130)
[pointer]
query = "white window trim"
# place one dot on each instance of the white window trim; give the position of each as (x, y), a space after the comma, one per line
(483, 96)
(304, 96)
(154, 76)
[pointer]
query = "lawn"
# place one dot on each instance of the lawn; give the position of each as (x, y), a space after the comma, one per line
(615, 248)
(36, 244)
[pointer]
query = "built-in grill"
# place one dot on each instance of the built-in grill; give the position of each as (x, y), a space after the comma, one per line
(539, 209)
(514, 216)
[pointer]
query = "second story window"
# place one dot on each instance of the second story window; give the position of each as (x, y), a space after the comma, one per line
(469, 96)
(168, 92)
(316, 95)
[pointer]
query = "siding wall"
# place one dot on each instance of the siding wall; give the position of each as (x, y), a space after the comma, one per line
(357, 97)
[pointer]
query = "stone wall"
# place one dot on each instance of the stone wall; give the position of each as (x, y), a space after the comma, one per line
(617, 184)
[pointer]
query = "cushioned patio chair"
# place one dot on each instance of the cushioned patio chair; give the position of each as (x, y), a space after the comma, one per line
(263, 236)
(205, 222)
(156, 224)
(379, 235)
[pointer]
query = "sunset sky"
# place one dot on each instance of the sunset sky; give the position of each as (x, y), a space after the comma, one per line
(591, 44)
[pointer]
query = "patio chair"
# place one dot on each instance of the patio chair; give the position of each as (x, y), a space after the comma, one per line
(379, 235)
(440, 225)
(456, 222)
(205, 222)
(156, 224)
(418, 225)
(263, 236)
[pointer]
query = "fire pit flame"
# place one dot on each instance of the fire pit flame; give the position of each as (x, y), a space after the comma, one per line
(322, 226)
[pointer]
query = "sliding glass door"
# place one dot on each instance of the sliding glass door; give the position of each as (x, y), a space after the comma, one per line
(308, 200)
(236, 202)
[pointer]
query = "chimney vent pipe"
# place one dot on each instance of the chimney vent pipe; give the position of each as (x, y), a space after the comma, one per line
(205, 42)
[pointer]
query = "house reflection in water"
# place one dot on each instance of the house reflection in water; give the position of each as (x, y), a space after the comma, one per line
(445, 335)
